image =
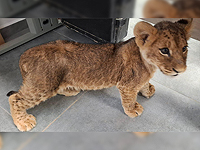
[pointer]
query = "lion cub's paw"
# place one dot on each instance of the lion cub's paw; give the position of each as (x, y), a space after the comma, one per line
(25, 123)
(150, 92)
(134, 112)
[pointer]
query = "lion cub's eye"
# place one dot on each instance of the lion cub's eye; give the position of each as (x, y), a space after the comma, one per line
(185, 48)
(164, 50)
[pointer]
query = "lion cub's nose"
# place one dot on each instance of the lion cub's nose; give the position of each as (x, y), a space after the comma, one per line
(175, 70)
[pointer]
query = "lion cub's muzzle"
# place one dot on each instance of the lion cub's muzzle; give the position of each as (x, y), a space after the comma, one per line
(179, 69)
(174, 71)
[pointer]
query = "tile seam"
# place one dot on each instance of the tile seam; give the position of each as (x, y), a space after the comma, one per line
(62, 113)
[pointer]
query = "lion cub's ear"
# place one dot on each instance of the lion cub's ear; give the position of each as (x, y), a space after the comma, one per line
(187, 24)
(144, 32)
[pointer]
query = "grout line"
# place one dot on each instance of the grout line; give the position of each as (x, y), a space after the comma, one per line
(176, 91)
(5, 110)
(27, 141)
(63, 112)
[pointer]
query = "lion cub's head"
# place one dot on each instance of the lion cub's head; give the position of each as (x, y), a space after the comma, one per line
(165, 44)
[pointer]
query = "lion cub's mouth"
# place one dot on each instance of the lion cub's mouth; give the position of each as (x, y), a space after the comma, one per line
(172, 72)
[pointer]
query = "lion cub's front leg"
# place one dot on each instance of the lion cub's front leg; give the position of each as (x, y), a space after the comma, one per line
(131, 107)
(147, 90)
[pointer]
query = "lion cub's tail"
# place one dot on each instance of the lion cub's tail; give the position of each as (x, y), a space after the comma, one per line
(11, 93)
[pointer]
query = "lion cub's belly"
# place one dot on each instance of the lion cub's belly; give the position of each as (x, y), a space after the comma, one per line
(92, 85)
(93, 80)
(95, 87)
(86, 83)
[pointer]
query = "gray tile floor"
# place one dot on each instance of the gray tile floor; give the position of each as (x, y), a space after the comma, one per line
(100, 141)
(174, 107)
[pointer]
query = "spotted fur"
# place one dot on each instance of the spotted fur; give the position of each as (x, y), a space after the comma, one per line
(66, 68)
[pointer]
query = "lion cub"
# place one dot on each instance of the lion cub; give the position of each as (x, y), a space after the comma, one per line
(178, 9)
(64, 67)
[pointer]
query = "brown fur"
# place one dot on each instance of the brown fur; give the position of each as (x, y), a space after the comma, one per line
(179, 9)
(64, 67)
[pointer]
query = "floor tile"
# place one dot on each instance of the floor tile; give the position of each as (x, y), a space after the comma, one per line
(14, 141)
(101, 111)
(100, 141)
(193, 52)
(6, 122)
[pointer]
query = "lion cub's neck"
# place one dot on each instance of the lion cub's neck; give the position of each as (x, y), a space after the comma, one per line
(133, 56)
(149, 66)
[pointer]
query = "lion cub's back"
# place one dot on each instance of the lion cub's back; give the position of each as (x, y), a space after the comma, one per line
(59, 53)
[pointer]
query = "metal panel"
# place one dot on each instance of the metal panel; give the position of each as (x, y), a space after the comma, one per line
(45, 23)
(34, 25)
(35, 31)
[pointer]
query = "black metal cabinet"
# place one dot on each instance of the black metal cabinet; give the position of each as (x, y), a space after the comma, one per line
(96, 8)
(100, 30)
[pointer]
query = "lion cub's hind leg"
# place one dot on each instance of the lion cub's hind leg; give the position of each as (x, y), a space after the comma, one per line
(68, 91)
(23, 100)
(147, 90)
(18, 106)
